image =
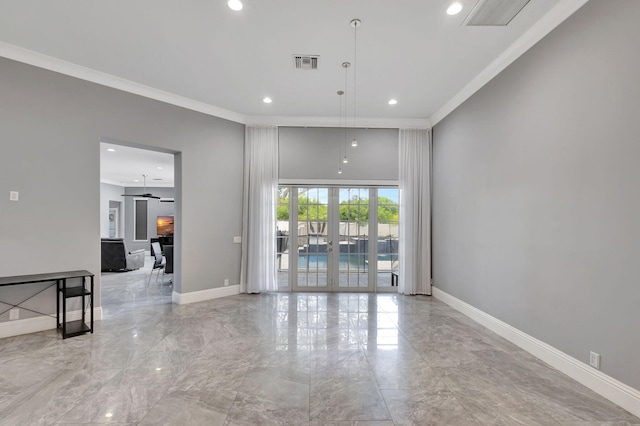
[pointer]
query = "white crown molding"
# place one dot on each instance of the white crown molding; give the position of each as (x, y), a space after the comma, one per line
(136, 184)
(558, 14)
(338, 182)
(149, 187)
(617, 392)
(363, 122)
(50, 63)
(201, 296)
(112, 182)
(41, 323)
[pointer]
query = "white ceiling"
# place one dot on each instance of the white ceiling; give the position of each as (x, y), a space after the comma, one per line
(200, 50)
(126, 165)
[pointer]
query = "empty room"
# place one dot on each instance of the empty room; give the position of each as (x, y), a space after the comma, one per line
(243, 212)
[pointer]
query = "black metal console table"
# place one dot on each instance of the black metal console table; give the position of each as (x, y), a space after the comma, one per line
(59, 279)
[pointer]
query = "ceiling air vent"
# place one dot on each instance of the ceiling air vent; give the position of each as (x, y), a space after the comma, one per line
(306, 62)
(494, 12)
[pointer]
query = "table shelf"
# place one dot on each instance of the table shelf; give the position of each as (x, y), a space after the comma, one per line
(76, 292)
(77, 327)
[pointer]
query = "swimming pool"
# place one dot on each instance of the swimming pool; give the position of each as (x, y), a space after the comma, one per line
(347, 261)
(319, 261)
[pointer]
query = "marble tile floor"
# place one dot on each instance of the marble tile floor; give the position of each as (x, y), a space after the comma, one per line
(317, 280)
(284, 359)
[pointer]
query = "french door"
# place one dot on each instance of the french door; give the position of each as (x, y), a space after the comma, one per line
(336, 239)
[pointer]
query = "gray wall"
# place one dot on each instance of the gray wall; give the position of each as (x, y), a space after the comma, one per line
(313, 153)
(50, 128)
(154, 209)
(536, 203)
(109, 194)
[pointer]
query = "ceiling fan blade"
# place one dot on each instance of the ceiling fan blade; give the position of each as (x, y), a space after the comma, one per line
(155, 197)
(144, 195)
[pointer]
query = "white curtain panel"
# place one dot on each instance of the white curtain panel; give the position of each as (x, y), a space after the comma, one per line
(415, 212)
(258, 271)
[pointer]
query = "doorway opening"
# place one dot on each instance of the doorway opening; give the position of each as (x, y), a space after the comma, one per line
(139, 205)
(115, 208)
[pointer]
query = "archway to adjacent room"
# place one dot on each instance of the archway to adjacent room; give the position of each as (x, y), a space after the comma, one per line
(139, 206)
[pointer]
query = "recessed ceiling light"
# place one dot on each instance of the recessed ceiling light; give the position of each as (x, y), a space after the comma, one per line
(159, 167)
(234, 4)
(111, 150)
(267, 100)
(136, 180)
(392, 101)
(455, 8)
(108, 415)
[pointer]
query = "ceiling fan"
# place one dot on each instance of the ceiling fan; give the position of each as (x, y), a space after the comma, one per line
(144, 194)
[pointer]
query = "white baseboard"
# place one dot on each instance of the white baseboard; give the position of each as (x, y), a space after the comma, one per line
(41, 323)
(201, 296)
(615, 391)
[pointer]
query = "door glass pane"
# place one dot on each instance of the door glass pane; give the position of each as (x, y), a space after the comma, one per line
(313, 213)
(113, 222)
(353, 238)
(282, 237)
(388, 220)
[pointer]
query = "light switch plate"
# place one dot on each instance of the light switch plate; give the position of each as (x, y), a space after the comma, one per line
(237, 240)
(14, 195)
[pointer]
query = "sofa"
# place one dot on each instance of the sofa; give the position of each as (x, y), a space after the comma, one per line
(116, 257)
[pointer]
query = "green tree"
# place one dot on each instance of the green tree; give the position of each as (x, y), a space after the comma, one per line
(311, 209)
(388, 210)
(282, 211)
(356, 209)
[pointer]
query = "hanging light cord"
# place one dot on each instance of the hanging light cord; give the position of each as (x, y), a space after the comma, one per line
(345, 109)
(355, 69)
(340, 145)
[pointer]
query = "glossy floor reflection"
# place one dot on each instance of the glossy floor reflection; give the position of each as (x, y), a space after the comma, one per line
(294, 359)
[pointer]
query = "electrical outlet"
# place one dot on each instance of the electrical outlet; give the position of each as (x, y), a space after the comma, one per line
(594, 360)
(14, 314)
(14, 195)
(226, 282)
(237, 240)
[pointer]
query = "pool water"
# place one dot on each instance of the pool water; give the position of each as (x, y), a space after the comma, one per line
(347, 261)
(319, 261)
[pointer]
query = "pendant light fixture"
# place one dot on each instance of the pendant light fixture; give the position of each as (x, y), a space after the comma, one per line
(355, 23)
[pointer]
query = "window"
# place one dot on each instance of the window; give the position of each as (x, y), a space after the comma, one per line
(140, 220)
